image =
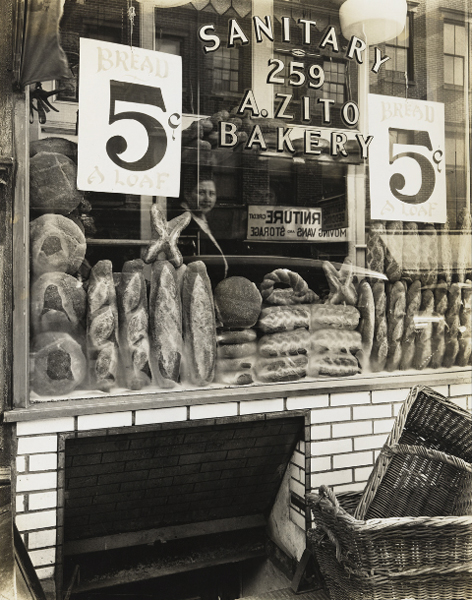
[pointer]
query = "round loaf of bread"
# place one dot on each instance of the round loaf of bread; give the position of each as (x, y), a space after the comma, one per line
(54, 144)
(57, 244)
(237, 302)
(59, 365)
(53, 186)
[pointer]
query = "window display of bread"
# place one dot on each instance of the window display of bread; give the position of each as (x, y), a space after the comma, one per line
(394, 250)
(287, 343)
(375, 249)
(53, 183)
(58, 303)
(366, 309)
(396, 308)
(337, 316)
(411, 251)
(133, 338)
(285, 287)
(438, 339)
(445, 258)
(341, 286)
(58, 364)
(237, 302)
(56, 244)
(58, 145)
(464, 251)
(413, 302)
(423, 345)
(165, 325)
(380, 345)
(453, 324)
(428, 255)
(167, 235)
(274, 319)
(102, 327)
(199, 326)
(465, 333)
(281, 369)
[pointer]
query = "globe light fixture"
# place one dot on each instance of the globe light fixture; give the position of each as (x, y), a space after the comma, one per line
(373, 21)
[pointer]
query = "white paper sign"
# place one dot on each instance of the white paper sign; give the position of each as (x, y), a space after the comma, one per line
(130, 114)
(407, 163)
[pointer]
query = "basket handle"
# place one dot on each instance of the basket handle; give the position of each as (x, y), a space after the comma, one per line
(403, 449)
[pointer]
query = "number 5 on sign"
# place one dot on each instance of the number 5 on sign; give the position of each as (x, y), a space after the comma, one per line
(130, 110)
(407, 164)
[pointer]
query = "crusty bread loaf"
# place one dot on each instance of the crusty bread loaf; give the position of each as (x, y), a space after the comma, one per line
(286, 343)
(236, 350)
(238, 302)
(378, 356)
(58, 303)
(335, 341)
(366, 308)
(102, 327)
(452, 325)
(396, 309)
(411, 251)
(199, 326)
(375, 251)
(423, 345)
(165, 325)
(428, 255)
(274, 319)
(332, 364)
(438, 339)
(134, 325)
(413, 303)
(394, 250)
(337, 316)
(282, 368)
(465, 336)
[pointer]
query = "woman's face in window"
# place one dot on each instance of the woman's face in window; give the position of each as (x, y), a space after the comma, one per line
(203, 197)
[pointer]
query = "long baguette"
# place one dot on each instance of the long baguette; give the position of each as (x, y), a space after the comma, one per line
(453, 325)
(413, 302)
(423, 350)
(465, 337)
(395, 324)
(366, 307)
(464, 253)
(380, 345)
(439, 328)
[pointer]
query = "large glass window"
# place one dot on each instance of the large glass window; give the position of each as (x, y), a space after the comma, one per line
(454, 53)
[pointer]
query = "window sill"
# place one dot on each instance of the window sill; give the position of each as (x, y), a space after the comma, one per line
(123, 400)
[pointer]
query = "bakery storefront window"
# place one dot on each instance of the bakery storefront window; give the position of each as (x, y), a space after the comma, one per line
(243, 202)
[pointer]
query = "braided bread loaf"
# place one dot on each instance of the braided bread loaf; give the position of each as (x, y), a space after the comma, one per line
(102, 327)
(395, 324)
(366, 308)
(134, 321)
(380, 344)
(453, 325)
(283, 318)
(281, 368)
(296, 289)
(423, 349)
(375, 251)
(287, 343)
(337, 316)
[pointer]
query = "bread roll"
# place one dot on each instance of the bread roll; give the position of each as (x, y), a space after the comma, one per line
(375, 251)
(53, 183)
(281, 369)
(465, 334)
(366, 308)
(58, 366)
(58, 303)
(396, 309)
(134, 325)
(274, 319)
(102, 327)
(238, 302)
(286, 343)
(429, 255)
(413, 303)
(380, 343)
(394, 250)
(423, 345)
(438, 339)
(199, 326)
(411, 252)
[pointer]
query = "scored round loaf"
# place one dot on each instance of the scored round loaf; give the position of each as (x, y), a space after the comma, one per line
(59, 365)
(237, 302)
(57, 244)
(54, 144)
(58, 303)
(53, 186)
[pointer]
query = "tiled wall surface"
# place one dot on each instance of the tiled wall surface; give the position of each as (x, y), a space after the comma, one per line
(347, 432)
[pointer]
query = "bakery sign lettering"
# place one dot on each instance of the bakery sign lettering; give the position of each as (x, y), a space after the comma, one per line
(289, 224)
(130, 111)
(407, 160)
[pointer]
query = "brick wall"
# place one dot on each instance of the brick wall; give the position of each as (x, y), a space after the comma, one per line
(344, 437)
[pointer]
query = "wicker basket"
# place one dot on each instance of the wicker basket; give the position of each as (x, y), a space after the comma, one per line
(424, 468)
(423, 558)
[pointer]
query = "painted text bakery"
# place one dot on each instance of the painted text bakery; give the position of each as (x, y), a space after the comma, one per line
(240, 234)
